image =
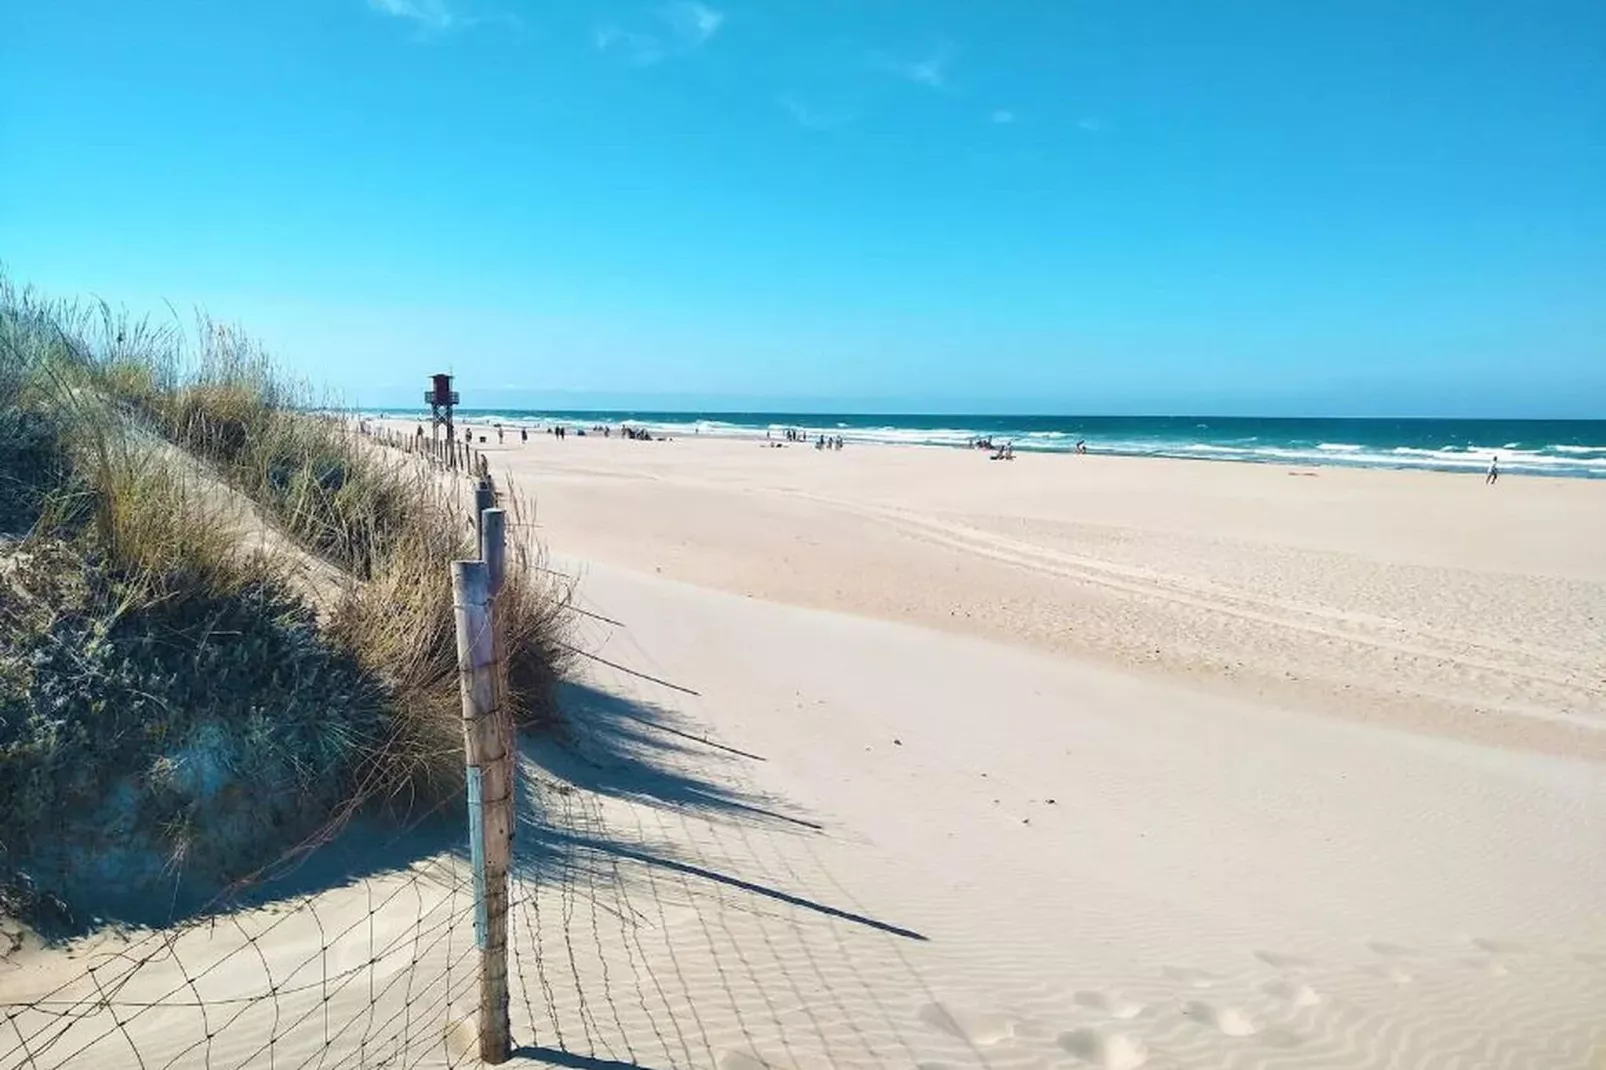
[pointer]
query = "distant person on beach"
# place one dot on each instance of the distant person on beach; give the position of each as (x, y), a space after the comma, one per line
(1494, 471)
(524, 434)
(498, 434)
(1081, 445)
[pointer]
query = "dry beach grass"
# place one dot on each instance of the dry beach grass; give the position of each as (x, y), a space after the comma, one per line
(229, 620)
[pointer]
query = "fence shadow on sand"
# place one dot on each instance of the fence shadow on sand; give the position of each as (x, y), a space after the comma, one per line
(662, 912)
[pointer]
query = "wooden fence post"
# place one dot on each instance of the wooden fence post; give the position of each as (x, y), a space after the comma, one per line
(487, 740)
(493, 543)
(484, 498)
(493, 551)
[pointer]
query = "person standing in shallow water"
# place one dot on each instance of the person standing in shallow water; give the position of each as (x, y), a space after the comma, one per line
(1494, 471)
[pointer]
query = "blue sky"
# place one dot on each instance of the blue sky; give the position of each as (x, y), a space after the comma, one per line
(1100, 206)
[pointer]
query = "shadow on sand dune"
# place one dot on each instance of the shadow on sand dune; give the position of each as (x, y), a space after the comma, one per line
(615, 748)
(629, 750)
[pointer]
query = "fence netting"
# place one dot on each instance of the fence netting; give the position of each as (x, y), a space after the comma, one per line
(663, 914)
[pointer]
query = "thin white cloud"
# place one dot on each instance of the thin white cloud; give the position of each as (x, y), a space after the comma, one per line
(692, 22)
(638, 48)
(1002, 116)
(812, 116)
(1090, 125)
(929, 70)
(681, 27)
(429, 14)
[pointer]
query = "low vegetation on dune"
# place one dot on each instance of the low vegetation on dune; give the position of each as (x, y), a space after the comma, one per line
(225, 619)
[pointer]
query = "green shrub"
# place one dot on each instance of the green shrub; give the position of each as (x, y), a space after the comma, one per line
(149, 721)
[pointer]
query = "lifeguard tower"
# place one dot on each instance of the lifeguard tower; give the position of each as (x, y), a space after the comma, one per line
(441, 399)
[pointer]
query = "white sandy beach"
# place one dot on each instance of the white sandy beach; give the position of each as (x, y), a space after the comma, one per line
(1065, 762)
(1416, 599)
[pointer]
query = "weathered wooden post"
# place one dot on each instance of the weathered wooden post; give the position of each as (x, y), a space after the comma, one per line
(487, 743)
(493, 551)
(484, 498)
(493, 542)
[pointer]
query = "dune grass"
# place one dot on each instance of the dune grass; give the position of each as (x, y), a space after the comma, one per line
(178, 702)
(390, 523)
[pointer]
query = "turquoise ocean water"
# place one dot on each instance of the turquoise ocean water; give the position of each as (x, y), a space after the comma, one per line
(1573, 448)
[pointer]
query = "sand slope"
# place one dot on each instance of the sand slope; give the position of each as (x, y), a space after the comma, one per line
(1213, 884)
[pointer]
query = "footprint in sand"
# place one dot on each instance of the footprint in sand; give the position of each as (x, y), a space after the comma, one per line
(1185, 975)
(978, 1028)
(1492, 967)
(1499, 947)
(1110, 1003)
(746, 1060)
(1293, 993)
(1228, 1021)
(1392, 972)
(1393, 951)
(1591, 958)
(1279, 961)
(740, 1060)
(1116, 1051)
(462, 1031)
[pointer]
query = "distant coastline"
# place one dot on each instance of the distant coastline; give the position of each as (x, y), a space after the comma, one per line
(1567, 448)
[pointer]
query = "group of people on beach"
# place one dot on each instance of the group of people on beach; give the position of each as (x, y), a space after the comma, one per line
(822, 441)
(561, 431)
(1006, 452)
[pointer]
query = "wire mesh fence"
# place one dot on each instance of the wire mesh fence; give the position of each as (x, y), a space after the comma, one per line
(663, 912)
(320, 968)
